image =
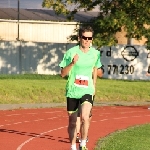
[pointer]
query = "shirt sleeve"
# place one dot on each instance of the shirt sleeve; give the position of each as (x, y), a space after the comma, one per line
(98, 63)
(66, 60)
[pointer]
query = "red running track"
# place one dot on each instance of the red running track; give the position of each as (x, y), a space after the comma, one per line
(46, 129)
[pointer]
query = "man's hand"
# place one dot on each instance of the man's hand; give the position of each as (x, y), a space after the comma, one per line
(65, 70)
(75, 59)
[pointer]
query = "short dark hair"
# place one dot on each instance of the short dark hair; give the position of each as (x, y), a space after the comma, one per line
(85, 29)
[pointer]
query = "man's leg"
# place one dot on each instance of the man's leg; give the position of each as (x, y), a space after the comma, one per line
(72, 127)
(90, 118)
(86, 106)
(78, 124)
(72, 107)
(78, 119)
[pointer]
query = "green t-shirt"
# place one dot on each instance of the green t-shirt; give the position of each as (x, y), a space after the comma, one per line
(80, 80)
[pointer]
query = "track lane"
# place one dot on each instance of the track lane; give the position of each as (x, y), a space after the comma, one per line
(46, 129)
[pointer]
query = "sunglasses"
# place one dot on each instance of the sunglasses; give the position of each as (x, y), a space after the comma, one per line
(86, 38)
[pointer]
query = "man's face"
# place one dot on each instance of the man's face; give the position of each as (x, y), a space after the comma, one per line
(86, 39)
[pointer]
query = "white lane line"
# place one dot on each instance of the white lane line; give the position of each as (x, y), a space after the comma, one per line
(17, 122)
(26, 121)
(32, 113)
(119, 118)
(131, 112)
(53, 112)
(27, 141)
(119, 113)
(13, 115)
(100, 120)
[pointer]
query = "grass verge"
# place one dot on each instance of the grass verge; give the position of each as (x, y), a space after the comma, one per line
(18, 89)
(132, 138)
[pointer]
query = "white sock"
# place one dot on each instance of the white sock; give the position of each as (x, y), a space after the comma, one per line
(73, 147)
(83, 143)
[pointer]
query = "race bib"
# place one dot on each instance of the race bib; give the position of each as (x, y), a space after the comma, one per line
(81, 81)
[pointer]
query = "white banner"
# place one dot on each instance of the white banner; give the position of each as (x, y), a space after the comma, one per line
(125, 62)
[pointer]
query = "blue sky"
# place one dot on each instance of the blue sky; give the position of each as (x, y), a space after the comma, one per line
(30, 4)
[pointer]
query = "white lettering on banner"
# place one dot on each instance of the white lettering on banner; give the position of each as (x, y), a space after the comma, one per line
(125, 62)
(81, 81)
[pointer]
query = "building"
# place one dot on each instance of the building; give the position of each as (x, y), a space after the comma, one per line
(34, 24)
(35, 41)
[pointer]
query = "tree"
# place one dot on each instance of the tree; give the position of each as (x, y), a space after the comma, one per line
(133, 16)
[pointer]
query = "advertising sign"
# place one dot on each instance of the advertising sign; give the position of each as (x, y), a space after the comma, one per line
(125, 62)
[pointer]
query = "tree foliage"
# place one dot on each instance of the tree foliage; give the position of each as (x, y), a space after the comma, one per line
(114, 15)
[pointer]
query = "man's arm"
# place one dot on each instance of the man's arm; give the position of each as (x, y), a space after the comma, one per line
(65, 70)
(100, 72)
(94, 77)
(97, 72)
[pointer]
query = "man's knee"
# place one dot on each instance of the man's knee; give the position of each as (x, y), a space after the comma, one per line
(72, 120)
(90, 114)
(85, 118)
(72, 124)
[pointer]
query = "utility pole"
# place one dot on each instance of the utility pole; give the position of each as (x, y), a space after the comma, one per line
(18, 39)
(18, 19)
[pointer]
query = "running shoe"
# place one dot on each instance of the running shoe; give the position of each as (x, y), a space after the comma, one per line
(83, 148)
(78, 138)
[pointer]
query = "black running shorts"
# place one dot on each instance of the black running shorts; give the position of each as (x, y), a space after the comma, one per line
(79, 108)
(73, 103)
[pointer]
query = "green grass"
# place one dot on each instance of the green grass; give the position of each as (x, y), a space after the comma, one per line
(123, 90)
(29, 88)
(31, 91)
(30, 76)
(16, 89)
(133, 138)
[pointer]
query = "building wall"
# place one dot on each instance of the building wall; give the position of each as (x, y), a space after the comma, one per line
(121, 37)
(47, 31)
(36, 31)
(42, 45)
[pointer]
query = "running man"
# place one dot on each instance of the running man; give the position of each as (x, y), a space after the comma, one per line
(78, 63)
(78, 124)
